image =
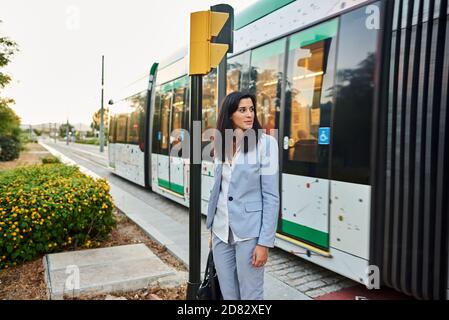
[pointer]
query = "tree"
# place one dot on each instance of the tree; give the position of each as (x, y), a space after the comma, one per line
(63, 129)
(9, 121)
(95, 125)
(7, 50)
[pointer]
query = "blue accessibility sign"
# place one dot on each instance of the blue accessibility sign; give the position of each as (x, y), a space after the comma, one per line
(324, 136)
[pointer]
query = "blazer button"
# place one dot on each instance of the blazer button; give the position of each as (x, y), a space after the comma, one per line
(231, 198)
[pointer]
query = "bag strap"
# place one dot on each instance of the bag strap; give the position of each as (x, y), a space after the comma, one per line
(209, 264)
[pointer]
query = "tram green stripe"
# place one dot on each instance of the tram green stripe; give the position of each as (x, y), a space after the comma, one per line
(154, 68)
(177, 188)
(323, 31)
(171, 186)
(268, 51)
(181, 82)
(315, 236)
(164, 183)
(257, 11)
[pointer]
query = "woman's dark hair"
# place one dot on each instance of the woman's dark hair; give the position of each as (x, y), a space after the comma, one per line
(229, 106)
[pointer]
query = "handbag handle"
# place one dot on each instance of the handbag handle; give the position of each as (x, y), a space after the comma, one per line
(210, 264)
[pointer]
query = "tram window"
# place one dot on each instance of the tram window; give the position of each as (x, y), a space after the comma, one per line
(179, 103)
(133, 127)
(156, 121)
(112, 127)
(210, 97)
(132, 136)
(187, 106)
(309, 53)
(135, 119)
(354, 99)
(121, 128)
(141, 106)
(238, 73)
(166, 100)
(266, 70)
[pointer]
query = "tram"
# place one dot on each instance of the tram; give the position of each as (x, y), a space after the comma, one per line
(357, 93)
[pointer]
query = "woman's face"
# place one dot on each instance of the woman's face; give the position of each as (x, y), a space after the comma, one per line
(243, 117)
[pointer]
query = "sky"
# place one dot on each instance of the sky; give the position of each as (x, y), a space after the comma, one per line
(57, 73)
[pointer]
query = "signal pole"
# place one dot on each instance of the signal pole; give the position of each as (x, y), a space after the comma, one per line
(102, 109)
(204, 55)
(196, 98)
(67, 133)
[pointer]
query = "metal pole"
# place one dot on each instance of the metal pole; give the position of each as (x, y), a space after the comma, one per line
(67, 133)
(195, 188)
(102, 109)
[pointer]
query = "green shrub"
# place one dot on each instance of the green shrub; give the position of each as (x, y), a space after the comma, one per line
(50, 159)
(49, 208)
(25, 139)
(95, 141)
(9, 148)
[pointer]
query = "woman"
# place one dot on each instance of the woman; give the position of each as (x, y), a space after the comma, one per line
(244, 202)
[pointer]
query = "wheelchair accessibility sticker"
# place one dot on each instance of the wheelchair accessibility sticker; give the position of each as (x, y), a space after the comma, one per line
(324, 135)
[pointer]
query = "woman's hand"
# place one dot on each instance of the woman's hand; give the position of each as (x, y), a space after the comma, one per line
(260, 256)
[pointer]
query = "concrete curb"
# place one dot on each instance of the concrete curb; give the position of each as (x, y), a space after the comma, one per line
(66, 160)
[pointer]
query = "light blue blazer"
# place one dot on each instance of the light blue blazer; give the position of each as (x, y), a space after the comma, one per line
(253, 196)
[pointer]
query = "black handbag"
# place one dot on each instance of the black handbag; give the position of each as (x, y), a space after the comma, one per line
(210, 288)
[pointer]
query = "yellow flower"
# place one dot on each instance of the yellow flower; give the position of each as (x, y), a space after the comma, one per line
(14, 234)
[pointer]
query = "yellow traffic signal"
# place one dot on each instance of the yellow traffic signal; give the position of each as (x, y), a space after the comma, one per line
(205, 55)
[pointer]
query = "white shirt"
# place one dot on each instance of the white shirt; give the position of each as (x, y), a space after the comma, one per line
(220, 225)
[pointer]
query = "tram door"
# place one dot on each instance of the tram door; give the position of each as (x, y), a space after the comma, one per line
(178, 124)
(173, 117)
(163, 136)
(307, 133)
